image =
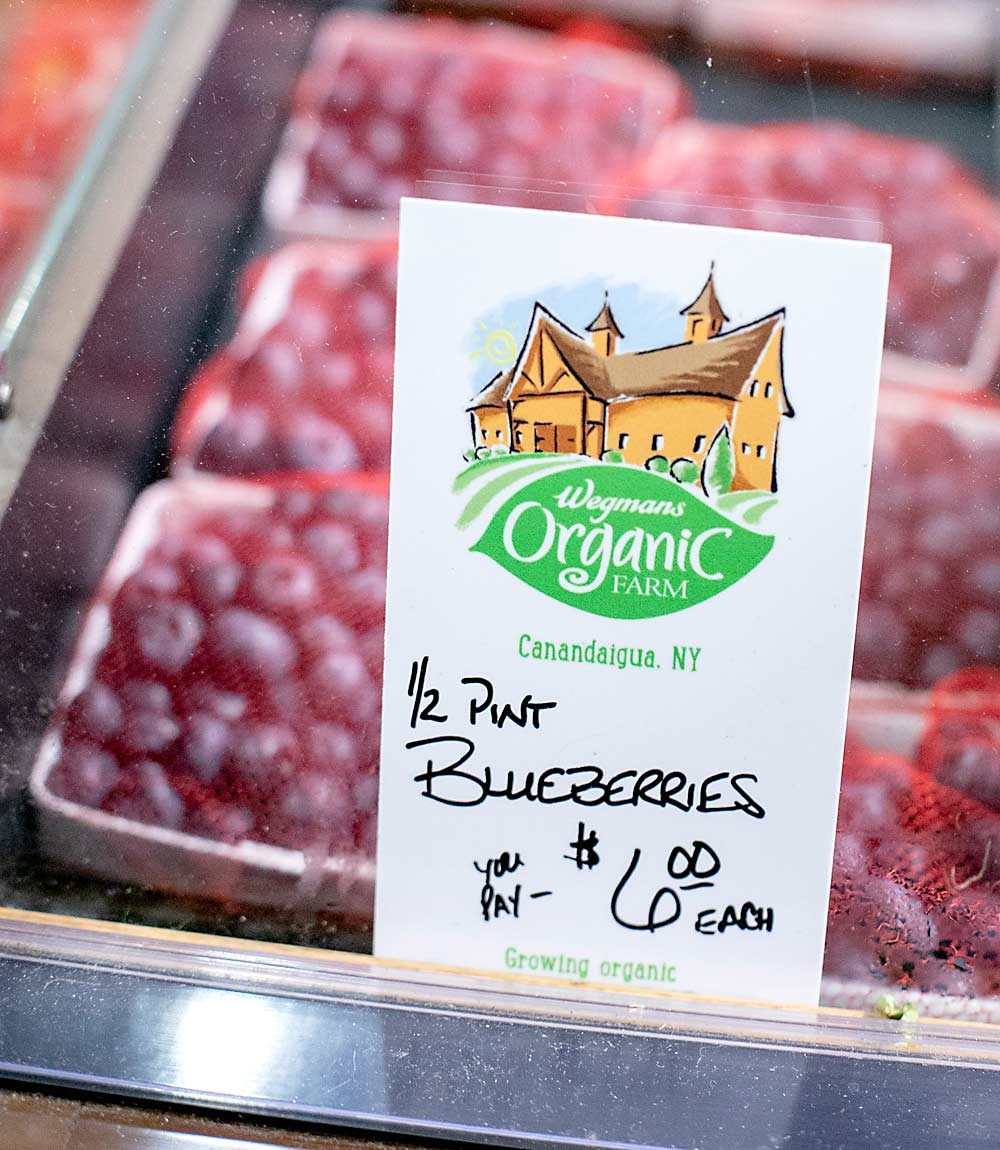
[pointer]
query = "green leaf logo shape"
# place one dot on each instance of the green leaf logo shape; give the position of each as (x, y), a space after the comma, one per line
(611, 539)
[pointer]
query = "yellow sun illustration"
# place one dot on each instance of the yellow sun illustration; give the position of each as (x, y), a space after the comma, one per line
(499, 346)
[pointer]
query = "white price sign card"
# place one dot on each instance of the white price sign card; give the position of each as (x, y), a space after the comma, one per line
(630, 466)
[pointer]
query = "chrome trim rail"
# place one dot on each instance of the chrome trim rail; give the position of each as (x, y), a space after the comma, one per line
(358, 1043)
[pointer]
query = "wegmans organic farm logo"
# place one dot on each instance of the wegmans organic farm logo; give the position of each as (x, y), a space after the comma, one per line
(629, 484)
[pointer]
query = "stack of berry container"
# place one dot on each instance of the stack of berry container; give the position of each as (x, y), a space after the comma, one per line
(903, 917)
(217, 734)
(387, 105)
(913, 903)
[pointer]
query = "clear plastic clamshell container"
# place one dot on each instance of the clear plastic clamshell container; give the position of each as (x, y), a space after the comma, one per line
(930, 584)
(217, 732)
(943, 324)
(306, 382)
(387, 104)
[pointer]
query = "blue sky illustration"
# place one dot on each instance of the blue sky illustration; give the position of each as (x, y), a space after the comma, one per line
(648, 319)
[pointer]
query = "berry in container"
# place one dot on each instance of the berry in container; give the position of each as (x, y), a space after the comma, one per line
(930, 583)
(61, 63)
(388, 102)
(914, 904)
(961, 740)
(306, 383)
(217, 735)
(943, 324)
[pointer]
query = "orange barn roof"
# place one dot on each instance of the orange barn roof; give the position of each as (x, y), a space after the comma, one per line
(719, 366)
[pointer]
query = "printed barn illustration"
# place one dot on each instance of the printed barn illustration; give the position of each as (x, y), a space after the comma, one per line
(565, 394)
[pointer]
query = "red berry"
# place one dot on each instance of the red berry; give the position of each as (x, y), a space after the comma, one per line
(247, 643)
(150, 798)
(341, 687)
(86, 774)
(206, 742)
(96, 713)
(167, 635)
(149, 726)
(227, 705)
(323, 633)
(222, 821)
(333, 545)
(213, 572)
(331, 749)
(264, 755)
(285, 584)
(316, 810)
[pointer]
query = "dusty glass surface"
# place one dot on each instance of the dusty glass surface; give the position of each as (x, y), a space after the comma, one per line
(62, 66)
(192, 565)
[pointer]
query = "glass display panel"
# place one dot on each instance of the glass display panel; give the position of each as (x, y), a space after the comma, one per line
(192, 561)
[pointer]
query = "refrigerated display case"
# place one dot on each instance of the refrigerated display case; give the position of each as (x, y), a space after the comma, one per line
(192, 587)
